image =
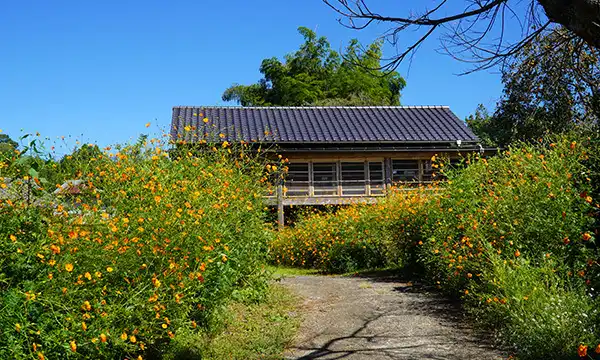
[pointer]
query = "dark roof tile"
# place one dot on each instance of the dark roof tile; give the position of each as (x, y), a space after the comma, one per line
(361, 124)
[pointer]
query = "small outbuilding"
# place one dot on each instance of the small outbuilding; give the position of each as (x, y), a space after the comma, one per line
(340, 154)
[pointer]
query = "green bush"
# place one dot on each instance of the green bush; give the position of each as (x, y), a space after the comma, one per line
(145, 248)
(540, 313)
(354, 237)
(530, 202)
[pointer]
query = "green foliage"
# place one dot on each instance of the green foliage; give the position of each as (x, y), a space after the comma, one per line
(352, 238)
(249, 331)
(480, 123)
(550, 87)
(7, 146)
(540, 313)
(149, 248)
(317, 75)
(526, 201)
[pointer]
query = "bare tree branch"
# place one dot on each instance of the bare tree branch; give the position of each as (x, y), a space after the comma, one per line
(477, 34)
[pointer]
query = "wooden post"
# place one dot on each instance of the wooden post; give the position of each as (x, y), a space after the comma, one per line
(387, 171)
(280, 213)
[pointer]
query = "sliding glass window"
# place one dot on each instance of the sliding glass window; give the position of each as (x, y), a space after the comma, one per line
(325, 179)
(354, 178)
(405, 171)
(297, 179)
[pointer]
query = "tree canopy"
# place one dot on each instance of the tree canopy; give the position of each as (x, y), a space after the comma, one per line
(547, 89)
(317, 75)
(479, 32)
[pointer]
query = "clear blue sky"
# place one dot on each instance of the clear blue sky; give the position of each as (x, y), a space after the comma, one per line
(100, 70)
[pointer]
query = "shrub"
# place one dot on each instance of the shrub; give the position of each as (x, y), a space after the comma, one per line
(355, 237)
(144, 248)
(539, 313)
(530, 202)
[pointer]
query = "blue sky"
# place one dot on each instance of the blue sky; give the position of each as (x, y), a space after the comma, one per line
(100, 70)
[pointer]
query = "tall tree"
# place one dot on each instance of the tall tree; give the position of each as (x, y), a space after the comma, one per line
(480, 123)
(317, 75)
(547, 89)
(478, 32)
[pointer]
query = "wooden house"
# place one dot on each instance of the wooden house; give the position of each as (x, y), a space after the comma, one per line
(337, 155)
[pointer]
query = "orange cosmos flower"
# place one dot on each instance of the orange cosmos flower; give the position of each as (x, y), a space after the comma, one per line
(103, 337)
(517, 253)
(69, 267)
(73, 346)
(86, 306)
(597, 349)
(55, 249)
(582, 350)
(586, 236)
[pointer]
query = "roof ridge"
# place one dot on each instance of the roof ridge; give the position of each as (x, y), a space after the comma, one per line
(315, 107)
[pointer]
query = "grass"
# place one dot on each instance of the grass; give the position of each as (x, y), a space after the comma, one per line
(250, 331)
(280, 272)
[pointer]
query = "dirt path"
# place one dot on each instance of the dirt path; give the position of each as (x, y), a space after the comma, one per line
(379, 318)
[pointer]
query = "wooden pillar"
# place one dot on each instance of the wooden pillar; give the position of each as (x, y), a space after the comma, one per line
(387, 171)
(280, 213)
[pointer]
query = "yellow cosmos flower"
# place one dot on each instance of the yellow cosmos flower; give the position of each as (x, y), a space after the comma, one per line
(109, 269)
(124, 336)
(73, 346)
(86, 306)
(69, 267)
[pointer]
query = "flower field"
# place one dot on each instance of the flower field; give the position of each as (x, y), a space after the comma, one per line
(513, 236)
(147, 247)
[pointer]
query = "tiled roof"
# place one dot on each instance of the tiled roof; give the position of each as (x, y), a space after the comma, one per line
(367, 124)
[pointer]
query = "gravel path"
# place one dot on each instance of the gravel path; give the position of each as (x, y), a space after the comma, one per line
(379, 318)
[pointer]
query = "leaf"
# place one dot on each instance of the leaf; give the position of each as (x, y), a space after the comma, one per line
(33, 173)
